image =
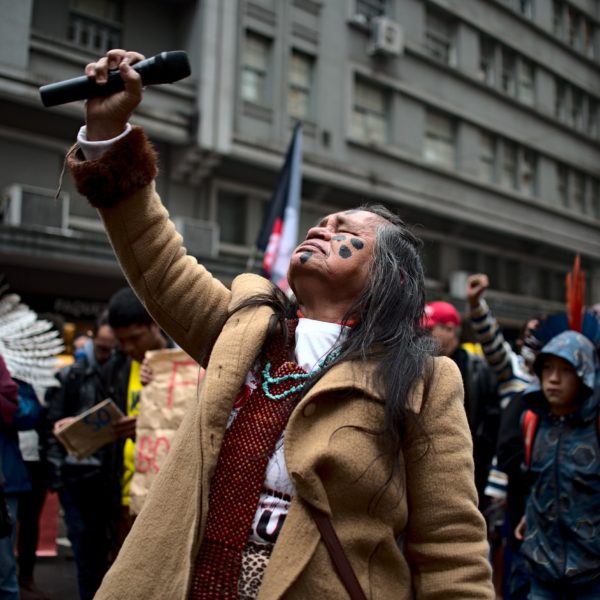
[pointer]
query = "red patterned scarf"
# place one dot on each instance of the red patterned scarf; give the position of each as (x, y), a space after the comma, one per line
(239, 476)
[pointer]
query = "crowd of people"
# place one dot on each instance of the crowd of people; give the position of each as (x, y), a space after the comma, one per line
(93, 491)
(345, 441)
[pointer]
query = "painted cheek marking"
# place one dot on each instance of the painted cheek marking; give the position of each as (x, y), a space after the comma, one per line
(358, 244)
(338, 238)
(345, 252)
(305, 256)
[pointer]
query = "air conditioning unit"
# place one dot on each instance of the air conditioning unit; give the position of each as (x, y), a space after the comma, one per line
(387, 37)
(31, 206)
(201, 238)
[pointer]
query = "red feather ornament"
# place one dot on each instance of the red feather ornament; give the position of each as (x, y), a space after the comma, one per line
(575, 286)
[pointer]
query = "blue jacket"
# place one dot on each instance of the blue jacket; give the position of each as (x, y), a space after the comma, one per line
(16, 478)
(562, 537)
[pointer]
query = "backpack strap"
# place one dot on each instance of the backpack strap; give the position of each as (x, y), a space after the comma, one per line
(529, 424)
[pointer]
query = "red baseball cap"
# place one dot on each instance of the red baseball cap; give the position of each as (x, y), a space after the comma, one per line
(441, 313)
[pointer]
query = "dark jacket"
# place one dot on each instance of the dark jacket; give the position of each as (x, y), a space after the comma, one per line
(510, 453)
(83, 385)
(562, 541)
(482, 406)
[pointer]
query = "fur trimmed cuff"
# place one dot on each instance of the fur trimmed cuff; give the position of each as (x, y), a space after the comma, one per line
(126, 167)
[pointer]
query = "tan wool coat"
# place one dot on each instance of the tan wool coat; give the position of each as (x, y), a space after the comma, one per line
(420, 536)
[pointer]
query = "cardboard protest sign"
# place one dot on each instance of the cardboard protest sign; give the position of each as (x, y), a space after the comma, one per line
(163, 404)
(90, 430)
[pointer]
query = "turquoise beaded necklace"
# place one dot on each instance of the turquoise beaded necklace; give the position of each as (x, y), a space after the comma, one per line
(301, 377)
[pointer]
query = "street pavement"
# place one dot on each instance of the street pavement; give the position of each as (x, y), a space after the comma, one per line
(56, 575)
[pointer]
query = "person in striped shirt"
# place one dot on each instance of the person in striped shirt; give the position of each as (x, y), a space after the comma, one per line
(513, 374)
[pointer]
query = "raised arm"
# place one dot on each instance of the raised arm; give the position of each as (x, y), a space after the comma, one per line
(500, 356)
(446, 542)
(489, 335)
(182, 296)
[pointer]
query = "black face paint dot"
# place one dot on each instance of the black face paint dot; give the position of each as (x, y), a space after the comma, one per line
(338, 238)
(345, 252)
(305, 256)
(358, 244)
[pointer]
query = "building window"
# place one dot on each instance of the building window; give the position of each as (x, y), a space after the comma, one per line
(366, 10)
(508, 171)
(431, 259)
(508, 80)
(578, 192)
(576, 108)
(525, 92)
(487, 157)
(491, 267)
(525, 7)
(562, 179)
(513, 276)
(300, 85)
(592, 118)
(439, 37)
(369, 112)
(95, 24)
(487, 60)
(528, 173)
(255, 67)
(468, 259)
(560, 101)
(232, 215)
(573, 28)
(439, 147)
(595, 198)
(557, 18)
(588, 39)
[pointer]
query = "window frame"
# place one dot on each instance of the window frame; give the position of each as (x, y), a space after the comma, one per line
(82, 23)
(263, 74)
(491, 156)
(367, 10)
(523, 64)
(509, 149)
(562, 184)
(487, 76)
(304, 88)
(441, 36)
(368, 114)
(433, 141)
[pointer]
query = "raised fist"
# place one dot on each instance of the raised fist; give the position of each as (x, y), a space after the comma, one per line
(476, 285)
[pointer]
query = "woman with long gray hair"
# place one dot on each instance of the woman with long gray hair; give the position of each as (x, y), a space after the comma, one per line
(328, 453)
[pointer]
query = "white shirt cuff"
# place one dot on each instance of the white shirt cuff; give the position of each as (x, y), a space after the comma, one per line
(94, 150)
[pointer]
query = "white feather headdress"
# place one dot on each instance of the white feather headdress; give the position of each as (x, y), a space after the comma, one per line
(29, 345)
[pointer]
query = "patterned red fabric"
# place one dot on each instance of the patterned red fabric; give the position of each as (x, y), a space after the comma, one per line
(239, 476)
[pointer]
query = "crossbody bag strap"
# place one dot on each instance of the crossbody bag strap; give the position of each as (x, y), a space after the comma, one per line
(338, 556)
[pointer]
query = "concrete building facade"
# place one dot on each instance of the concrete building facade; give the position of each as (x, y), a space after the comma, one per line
(478, 121)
